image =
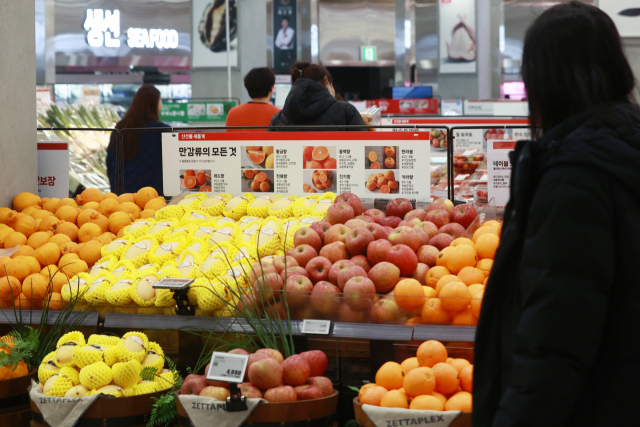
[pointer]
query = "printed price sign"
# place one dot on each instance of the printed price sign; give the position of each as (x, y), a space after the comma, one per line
(227, 367)
(319, 327)
(173, 284)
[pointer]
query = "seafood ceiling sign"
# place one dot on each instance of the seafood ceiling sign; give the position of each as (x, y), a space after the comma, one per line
(457, 36)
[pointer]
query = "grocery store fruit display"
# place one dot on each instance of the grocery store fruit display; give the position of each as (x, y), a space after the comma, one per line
(104, 364)
(272, 377)
(10, 368)
(430, 381)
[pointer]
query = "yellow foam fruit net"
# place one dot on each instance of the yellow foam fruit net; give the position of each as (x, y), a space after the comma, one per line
(89, 354)
(161, 253)
(236, 208)
(116, 248)
(164, 379)
(156, 364)
(147, 270)
(211, 295)
(113, 390)
(145, 387)
(199, 246)
(74, 336)
(103, 265)
(96, 375)
(261, 205)
(125, 355)
(105, 340)
(61, 385)
(203, 230)
(138, 252)
(304, 206)
(121, 268)
(218, 260)
(76, 287)
(177, 234)
(162, 228)
(118, 292)
(214, 205)
(148, 280)
(170, 212)
(283, 207)
(72, 374)
(267, 240)
(43, 373)
(138, 228)
(194, 217)
(96, 292)
(126, 374)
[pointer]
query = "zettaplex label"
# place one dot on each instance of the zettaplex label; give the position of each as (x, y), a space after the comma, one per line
(227, 367)
(314, 326)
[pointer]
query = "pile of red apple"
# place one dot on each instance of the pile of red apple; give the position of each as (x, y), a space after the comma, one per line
(272, 377)
(341, 268)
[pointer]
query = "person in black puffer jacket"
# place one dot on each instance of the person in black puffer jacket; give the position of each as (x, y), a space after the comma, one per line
(312, 101)
(556, 343)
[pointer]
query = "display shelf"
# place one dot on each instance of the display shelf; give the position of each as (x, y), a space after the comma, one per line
(444, 333)
(372, 331)
(8, 317)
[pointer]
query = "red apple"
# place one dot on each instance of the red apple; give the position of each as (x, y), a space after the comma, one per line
(428, 227)
(377, 231)
(361, 261)
(464, 215)
(355, 223)
(410, 222)
(335, 251)
(390, 221)
(439, 217)
(218, 393)
(416, 213)
(335, 269)
(303, 254)
(454, 230)
(405, 236)
(318, 269)
(387, 229)
(399, 207)
(428, 255)
(295, 370)
(260, 269)
(441, 241)
(385, 310)
(250, 392)
(250, 301)
(269, 286)
(424, 238)
(403, 257)
(297, 291)
(253, 358)
(339, 213)
(348, 273)
(366, 219)
(265, 374)
(275, 310)
(308, 392)
(444, 204)
(420, 273)
(284, 393)
(357, 240)
(271, 352)
(337, 233)
(325, 298)
(194, 384)
(238, 351)
(376, 214)
(307, 236)
(353, 201)
(359, 292)
(321, 228)
(317, 361)
(293, 272)
(323, 383)
(384, 276)
(282, 262)
(377, 251)
(349, 315)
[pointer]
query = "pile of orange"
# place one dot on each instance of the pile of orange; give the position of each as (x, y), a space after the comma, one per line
(260, 183)
(386, 182)
(8, 372)
(430, 381)
(455, 286)
(318, 158)
(59, 238)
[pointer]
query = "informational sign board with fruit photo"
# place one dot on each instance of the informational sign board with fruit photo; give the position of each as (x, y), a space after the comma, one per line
(289, 163)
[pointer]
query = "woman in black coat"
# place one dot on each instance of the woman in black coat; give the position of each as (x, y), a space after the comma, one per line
(312, 101)
(558, 342)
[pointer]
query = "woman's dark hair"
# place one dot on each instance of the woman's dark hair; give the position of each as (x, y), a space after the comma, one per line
(572, 62)
(307, 70)
(143, 109)
(259, 82)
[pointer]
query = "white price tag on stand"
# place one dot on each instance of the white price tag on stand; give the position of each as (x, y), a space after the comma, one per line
(173, 283)
(227, 367)
(319, 327)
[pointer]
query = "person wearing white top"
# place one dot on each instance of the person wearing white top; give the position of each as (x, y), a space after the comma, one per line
(284, 40)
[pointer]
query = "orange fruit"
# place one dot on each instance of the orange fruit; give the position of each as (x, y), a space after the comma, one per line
(373, 156)
(461, 401)
(459, 364)
(395, 399)
(475, 288)
(409, 364)
(320, 153)
(5, 373)
(389, 162)
(441, 260)
(9, 288)
(265, 186)
(408, 294)
(22, 302)
(461, 256)
(427, 402)
(455, 296)
(393, 185)
(24, 251)
(189, 181)
(476, 304)
(308, 152)
(434, 313)
(486, 246)
(485, 281)
(364, 388)
(466, 378)
(385, 189)
(482, 231)
(20, 370)
(492, 223)
(434, 274)
(373, 395)
(249, 173)
(375, 165)
(415, 320)
(260, 177)
(471, 275)
(419, 381)
(447, 378)
(485, 266)
(462, 241)
(55, 301)
(305, 187)
(441, 397)
(390, 376)
(429, 292)
(431, 352)
(464, 318)
(390, 151)
(444, 280)
(35, 286)
(256, 157)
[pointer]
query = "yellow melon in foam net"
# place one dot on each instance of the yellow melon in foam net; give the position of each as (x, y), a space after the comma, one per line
(160, 229)
(248, 234)
(281, 208)
(247, 221)
(214, 205)
(260, 206)
(322, 206)
(118, 293)
(203, 231)
(267, 240)
(142, 292)
(138, 253)
(224, 234)
(164, 252)
(187, 264)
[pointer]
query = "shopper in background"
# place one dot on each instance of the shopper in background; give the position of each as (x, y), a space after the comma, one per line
(312, 101)
(258, 112)
(142, 149)
(557, 342)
